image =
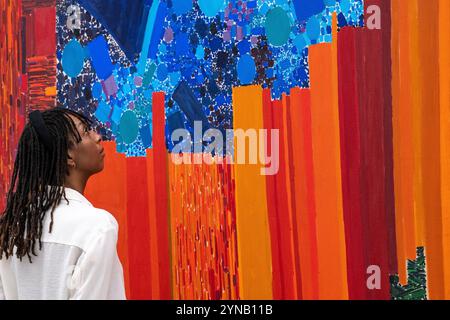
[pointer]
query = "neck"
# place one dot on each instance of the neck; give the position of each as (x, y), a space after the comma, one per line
(77, 182)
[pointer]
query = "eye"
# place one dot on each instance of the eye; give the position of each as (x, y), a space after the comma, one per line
(88, 129)
(92, 129)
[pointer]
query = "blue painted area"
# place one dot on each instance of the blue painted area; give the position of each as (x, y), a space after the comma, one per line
(345, 6)
(175, 121)
(211, 7)
(205, 57)
(146, 136)
(129, 127)
(147, 37)
(244, 47)
(102, 112)
(98, 50)
(73, 58)
(278, 27)
(300, 42)
(200, 52)
(181, 6)
(313, 28)
(305, 9)
(246, 69)
(174, 78)
(162, 72)
(182, 44)
(185, 98)
(158, 30)
(97, 90)
(342, 22)
(124, 20)
(116, 114)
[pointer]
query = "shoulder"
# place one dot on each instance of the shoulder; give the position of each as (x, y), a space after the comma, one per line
(78, 224)
(95, 218)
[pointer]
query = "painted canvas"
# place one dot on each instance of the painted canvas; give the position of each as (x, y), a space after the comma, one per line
(357, 92)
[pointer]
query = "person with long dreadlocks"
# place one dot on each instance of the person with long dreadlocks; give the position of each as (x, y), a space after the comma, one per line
(54, 244)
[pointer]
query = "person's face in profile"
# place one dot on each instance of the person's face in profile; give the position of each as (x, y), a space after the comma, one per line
(88, 155)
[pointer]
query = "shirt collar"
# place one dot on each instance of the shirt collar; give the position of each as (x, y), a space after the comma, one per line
(72, 194)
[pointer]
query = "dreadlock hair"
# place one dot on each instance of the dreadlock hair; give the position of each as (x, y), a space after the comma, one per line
(37, 182)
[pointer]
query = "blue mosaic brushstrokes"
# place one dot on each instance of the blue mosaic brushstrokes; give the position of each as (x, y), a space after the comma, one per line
(98, 51)
(123, 19)
(173, 42)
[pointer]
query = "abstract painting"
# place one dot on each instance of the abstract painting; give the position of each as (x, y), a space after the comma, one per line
(359, 91)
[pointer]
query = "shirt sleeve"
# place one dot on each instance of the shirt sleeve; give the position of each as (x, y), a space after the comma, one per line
(98, 274)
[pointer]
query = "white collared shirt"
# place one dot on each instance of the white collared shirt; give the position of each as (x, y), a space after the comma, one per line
(78, 259)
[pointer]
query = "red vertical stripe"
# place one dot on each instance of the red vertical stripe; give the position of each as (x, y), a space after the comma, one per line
(373, 199)
(138, 229)
(161, 194)
(44, 31)
(290, 142)
(29, 35)
(272, 203)
(350, 162)
(282, 220)
(385, 6)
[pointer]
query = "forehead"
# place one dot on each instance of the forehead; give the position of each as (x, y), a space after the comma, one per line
(78, 123)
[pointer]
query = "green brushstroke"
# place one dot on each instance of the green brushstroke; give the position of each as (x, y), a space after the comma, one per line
(416, 288)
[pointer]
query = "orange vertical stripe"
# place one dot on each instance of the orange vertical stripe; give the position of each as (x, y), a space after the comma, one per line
(107, 190)
(403, 138)
(327, 170)
(416, 96)
(430, 117)
(444, 67)
(255, 260)
(304, 192)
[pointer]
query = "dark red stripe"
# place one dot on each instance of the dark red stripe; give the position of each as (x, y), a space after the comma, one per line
(373, 198)
(385, 6)
(350, 162)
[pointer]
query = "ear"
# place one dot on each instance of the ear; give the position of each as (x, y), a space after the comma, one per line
(70, 158)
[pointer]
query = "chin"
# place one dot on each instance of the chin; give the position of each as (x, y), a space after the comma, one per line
(99, 169)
